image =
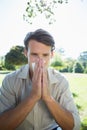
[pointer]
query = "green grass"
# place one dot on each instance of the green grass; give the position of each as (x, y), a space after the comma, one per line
(78, 86)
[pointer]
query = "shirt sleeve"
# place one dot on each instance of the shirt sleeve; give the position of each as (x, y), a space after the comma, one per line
(67, 102)
(7, 95)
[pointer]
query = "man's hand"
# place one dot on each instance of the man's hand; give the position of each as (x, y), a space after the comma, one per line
(45, 89)
(36, 80)
(40, 88)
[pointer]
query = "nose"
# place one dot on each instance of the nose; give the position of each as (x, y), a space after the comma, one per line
(40, 56)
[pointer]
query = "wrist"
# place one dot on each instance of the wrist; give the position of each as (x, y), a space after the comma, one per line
(48, 99)
(34, 98)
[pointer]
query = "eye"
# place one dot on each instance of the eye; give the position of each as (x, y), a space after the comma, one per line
(45, 55)
(33, 54)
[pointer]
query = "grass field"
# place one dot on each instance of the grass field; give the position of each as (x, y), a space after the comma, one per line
(78, 86)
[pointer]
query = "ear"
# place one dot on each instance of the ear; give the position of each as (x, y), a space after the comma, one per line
(52, 54)
(25, 52)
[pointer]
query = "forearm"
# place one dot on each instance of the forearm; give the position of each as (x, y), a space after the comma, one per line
(13, 118)
(63, 117)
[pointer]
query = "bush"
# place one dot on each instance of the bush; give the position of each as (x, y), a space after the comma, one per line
(64, 70)
(56, 63)
(16, 56)
(1, 68)
(78, 68)
(70, 69)
(9, 66)
(85, 71)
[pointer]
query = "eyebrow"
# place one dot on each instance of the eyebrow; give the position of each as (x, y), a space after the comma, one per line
(37, 53)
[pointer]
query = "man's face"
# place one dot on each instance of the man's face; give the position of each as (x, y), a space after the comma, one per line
(37, 50)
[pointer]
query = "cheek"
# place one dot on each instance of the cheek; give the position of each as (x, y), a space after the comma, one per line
(47, 61)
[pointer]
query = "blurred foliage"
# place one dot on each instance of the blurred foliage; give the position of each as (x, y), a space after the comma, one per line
(78, 68)
(15, 57)
(83, 60)
(57, 60)
(45, 7)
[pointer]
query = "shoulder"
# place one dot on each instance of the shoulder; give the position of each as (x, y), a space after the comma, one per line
(20, 73)
(57, 77)
(56, 74)
(13, 81)
(15, 75)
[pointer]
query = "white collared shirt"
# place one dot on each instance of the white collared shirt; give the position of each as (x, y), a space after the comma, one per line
(16, 86)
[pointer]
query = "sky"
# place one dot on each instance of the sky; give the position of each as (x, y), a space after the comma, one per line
(69, 30)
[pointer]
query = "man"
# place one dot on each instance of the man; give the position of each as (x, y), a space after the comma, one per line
(37, 98)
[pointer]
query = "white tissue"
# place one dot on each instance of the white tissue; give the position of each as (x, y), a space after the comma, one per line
(33, 65)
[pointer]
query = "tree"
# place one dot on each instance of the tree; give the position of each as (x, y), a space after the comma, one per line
(57, 60)
(78, 68)
(1, 62)
(15, 56)
(83, 58)
(70, 63)
(45, 7)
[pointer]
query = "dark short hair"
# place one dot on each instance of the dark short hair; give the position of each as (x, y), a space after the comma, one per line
(40, 35)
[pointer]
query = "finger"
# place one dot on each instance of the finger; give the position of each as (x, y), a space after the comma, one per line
(44, 75)
(38, 70)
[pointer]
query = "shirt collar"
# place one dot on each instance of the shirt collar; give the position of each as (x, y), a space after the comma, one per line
(52, 74)
(24, 72)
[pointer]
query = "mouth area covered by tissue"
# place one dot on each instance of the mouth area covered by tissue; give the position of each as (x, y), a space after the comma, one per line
(33, 65)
